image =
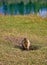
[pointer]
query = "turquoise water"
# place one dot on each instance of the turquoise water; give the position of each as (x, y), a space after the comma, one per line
(16, 9)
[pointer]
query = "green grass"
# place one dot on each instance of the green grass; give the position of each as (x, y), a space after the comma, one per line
(34, 28)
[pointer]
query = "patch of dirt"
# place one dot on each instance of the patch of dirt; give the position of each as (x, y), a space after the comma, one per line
(16, 41)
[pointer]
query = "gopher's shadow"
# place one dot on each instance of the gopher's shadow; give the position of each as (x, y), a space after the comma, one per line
(19, 47)
(32, 47)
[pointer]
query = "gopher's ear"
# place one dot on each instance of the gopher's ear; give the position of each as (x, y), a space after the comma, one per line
(25, 38)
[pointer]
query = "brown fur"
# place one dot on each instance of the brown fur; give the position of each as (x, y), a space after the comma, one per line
(25, 44)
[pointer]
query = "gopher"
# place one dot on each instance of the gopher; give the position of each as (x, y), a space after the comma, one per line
(25, 44)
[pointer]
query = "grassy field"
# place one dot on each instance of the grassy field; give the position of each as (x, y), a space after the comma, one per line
(13, 28)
